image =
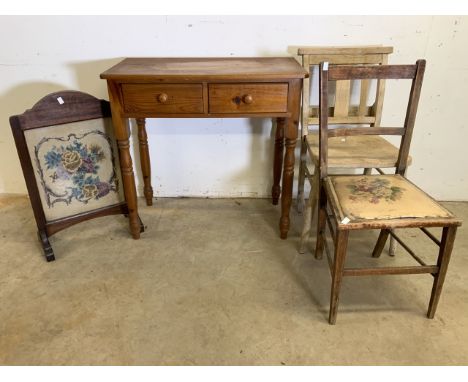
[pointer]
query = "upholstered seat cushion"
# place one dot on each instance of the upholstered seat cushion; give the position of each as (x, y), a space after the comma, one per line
(381, 197)
(366, 151)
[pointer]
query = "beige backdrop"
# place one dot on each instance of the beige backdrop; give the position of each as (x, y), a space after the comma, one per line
(233, 157)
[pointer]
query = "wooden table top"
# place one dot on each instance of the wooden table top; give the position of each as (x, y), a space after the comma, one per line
(226, 68)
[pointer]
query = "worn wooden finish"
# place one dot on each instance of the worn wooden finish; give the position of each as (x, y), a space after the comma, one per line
(321, 223)
(342, 95)
(355, 151)
(290, 134)
(406, 270)
(346, 222)
(236, 69)
(163, 99)
(346, 132)
(343, 112)
(379, 246)
(364, 94)
(341, 244)
(347, 59)
(378, 104)
(345, 50)
(145, 160)
(304, 128)
(445, 252)
(61, 224)
(46, 247)
(278, 160)
(350, 119)
(411, 116)
(122, 136)
(323, 117)
(207, 115)
(48, 111)
(75, 104)
(339, 73)
(218, 87)
(309, 213)
(245, 98)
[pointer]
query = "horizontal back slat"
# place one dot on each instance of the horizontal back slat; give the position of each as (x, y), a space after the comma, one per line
(353, 111)
(341, 50)
(329, 74)
(345, 59)
(345, 131)
(336, 73)
(351, 120)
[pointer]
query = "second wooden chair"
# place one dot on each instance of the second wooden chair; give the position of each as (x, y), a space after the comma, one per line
(385, 202)
(355, 152)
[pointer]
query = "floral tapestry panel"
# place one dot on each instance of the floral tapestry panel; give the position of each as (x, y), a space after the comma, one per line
(76, 167)
(383, 197)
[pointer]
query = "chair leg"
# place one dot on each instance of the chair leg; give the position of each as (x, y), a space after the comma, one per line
(341, 245)
(445, 251)
(393, 246)
(301, 179)
(145, 161)
(309, 212)
(367, 171)
(379, 246)
(321, 225)
(278, 160)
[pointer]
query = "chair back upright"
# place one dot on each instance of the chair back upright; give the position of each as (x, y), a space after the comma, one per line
(340, 111)
(330, 73)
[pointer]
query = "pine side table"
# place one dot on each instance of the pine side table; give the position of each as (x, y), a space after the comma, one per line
(202, 88)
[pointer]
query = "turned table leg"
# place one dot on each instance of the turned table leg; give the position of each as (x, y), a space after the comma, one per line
(290, 133)
(286, 196)
(145, 160)
(128, 180)
(278, 160)
(121, 131)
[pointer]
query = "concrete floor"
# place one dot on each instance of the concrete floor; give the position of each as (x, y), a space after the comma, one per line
(211, 283)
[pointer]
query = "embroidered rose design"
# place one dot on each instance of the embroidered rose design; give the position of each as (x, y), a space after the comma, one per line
(374, 190)
(89, 191)
(79, 164)
(71, 161)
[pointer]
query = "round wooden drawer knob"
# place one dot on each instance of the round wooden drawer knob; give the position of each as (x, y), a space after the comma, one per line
(163, 97)
(248, 99)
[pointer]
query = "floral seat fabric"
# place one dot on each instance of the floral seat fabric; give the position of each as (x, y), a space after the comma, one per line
(375, 197)
(75, 166)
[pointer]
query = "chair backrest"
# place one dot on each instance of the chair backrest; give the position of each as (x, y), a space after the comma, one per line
(341, 111)
(329, 73)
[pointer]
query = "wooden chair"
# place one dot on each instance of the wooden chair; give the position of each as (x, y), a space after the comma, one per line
(385, 202)
(357, 152)
(69, 160)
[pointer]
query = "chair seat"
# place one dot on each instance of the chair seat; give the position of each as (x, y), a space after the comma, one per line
(382, 201)
(366, 151)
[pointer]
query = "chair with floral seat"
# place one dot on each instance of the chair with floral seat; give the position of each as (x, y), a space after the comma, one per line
(365, 152)
(386, 202)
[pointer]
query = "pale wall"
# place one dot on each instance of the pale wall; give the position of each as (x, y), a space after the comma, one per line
(214, 157)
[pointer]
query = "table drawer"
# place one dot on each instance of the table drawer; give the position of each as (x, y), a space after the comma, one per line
(164, 99)
(248, 98)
